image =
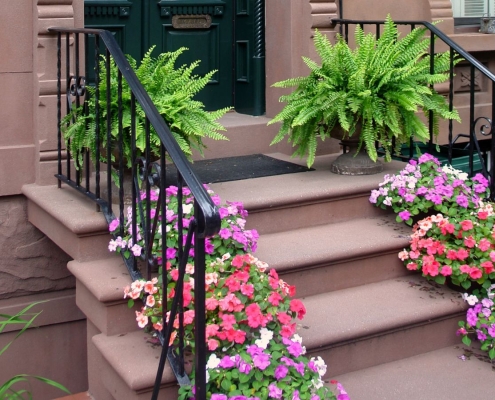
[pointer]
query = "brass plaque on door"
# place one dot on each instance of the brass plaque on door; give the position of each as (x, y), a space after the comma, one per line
(191, 21)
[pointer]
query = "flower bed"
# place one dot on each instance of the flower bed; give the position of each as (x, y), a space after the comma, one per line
(456, 242)
(254, 351)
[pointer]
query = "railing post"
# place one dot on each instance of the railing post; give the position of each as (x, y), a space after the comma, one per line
(492, 148)
(59, 107)
(432, 71)
(451, 102)
(471, 120)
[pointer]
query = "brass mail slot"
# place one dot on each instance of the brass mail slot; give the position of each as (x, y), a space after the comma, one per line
(191, 21)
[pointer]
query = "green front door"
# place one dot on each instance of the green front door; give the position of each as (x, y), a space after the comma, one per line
(226, 35)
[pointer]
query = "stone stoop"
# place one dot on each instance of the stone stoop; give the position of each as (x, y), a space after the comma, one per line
(364, 309)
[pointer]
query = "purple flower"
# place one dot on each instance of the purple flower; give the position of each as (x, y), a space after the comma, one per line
(457, 182)
(274, 392)
(479, 188)
(402, 191)
(218, 397)
(481, 335)
(438, 180)
(462, 200)
(281, 372)
(491, 330)
(299, 367)
(171, 253)
(471, 317)
(261, 361)
(477, 308)
(238, 397)
(287, 361)
(226, 362)
(421, 191)
(409, 197)
(253, 350)
(225, 233)
(487, 302)
(171, 191)
(405, 215)
(209, 248)
(481, 179)
(223, 212)
(295, 395)
(114, 225)
(244, 367)
(486, 312)
(294, 348)
(239, 237)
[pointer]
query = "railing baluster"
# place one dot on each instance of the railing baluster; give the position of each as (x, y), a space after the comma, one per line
(59, 107)
(109, 129)
(471, 118)
(120, 148)
(148, 194)
(451, 102)
(432, 71)
(135, 187)
(67, 92)
(492, 148)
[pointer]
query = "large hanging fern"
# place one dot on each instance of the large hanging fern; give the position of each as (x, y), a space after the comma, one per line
(382, 84)
(171, 89)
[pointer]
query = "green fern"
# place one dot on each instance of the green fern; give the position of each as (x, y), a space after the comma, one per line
(171, 89)
(382, 84)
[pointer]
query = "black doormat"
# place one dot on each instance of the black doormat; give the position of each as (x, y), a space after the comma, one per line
(238, 168)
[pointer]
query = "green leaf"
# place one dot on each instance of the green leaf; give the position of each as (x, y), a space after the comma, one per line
(491, 353)
(466, 340)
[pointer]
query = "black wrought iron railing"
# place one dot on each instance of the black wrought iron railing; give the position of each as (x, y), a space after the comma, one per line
(477, 143)
(86, 173)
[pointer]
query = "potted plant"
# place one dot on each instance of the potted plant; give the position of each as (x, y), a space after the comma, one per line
(370, 94)
(171, 89)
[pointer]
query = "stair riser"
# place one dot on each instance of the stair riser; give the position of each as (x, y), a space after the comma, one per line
(346, 274)
(111, 319)
(391, 346)
(285, 218)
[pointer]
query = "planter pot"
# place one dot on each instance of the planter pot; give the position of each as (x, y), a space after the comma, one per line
(351, 162)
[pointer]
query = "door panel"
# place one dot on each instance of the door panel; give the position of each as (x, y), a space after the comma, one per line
(181, 23)
(226, 36)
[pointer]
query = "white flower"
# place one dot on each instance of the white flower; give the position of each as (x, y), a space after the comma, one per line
(186, 208)
(297, 338)
(471, 299)
(387, 201)
(213, 362)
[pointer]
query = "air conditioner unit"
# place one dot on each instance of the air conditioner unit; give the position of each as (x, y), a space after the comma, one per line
(472, 8)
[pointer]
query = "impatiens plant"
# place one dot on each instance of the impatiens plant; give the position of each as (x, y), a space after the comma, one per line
(425, 186)
(480, 320)
(462, 249)
(232, 236)
(269, 367)
(241, 295)
(250, 313)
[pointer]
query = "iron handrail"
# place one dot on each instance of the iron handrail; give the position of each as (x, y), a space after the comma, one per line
(206, 221)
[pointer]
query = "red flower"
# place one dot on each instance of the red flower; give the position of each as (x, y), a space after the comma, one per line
(412, 266)
(488, 266)
(238, 261)
(283, 318)
(470, 242)
(452, 255)
(462, 254)
(297, 306)
(247, 290)
(482, 214)
(288, 330)
(274, 298)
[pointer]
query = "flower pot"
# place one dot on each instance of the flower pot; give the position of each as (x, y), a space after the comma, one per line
(353, 162)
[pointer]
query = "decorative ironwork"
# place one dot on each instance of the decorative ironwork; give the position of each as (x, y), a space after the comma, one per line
(471, 77)
(134, 200)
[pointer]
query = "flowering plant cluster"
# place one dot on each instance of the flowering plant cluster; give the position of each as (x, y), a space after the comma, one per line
(460, 248)
(250, 312)
(480, 320)
(232, 235)
(241, 295)
(424, 185)
(269, 367)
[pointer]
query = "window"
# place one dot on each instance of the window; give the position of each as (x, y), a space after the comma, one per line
(470, 11)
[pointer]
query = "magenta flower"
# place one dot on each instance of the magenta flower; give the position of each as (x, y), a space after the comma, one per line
(171, 253)
(216, 396)
(281, 372)
(274, 392)
(244, 367)
(226, 362)
(261, 361)
(471, 317)
(114, 225)
(225, 233)
(405, 215)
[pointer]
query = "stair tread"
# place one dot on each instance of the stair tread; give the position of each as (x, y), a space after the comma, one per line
(69, 207)
(135, 358)
(439, 374)
(376, 308)
(332, 242)
(105, 278)
(311, 186)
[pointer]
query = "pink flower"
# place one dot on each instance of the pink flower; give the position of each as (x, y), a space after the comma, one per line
(475, 273)
(488, 266)
(403, 255)
(466, 225)
(446, 270)
(462, 254)
(150, 301)
(149, 287)
(211, 303)
(141, 319)
(274, 298)
(113, 225)
(465, 268)
(412, 266)
(484, 244)
(212, 344)
(469, 242)
(284, 318)
(228, 320)
(247, 289)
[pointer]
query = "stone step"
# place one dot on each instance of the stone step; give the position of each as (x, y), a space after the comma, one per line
(100, 294)
(251, 135)
(293, 201)
(444, 374)
(368, 325)
(336, 256)
(351, 329)
(128, 366)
